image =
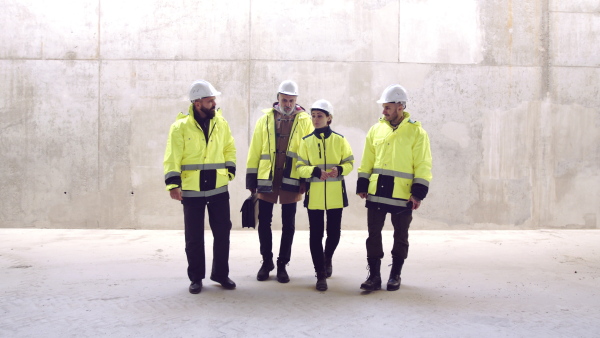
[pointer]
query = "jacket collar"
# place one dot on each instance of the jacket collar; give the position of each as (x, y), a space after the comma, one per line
(325, 131)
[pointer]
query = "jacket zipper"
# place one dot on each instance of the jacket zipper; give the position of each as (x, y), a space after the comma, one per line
(324, 166)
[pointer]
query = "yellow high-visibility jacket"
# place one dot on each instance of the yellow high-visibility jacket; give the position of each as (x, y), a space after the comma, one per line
(322, 150)
(260, 165)
(201, 167)
(395, 164)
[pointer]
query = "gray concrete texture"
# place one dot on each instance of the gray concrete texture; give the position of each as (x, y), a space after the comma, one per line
(455, 283)
(507, 90)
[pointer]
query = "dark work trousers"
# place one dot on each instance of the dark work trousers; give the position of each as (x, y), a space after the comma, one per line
(220, 224)
(265, 236)
(401, 223)
(316, 226)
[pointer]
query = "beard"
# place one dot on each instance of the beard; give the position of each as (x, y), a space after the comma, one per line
(210, 113)
(286, 110)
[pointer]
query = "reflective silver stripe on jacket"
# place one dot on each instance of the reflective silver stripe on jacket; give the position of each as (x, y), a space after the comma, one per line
(265, 157)
(300, 159)
(251, 170)
(172, 174)
(393, 173)
(230, 164)
(290, 181)
(327, 166)
(208, 193)
(388, 201)
(421, 181)
(348, 159)
(364, 175)
(266, 183)
(292, 154)
(208, 166)
(329, 179)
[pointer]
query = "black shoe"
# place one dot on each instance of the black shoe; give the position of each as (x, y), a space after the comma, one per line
(328, 267)
(321, 281)
(267, 266)
(195, 287)
(225, 282)
(282, 275)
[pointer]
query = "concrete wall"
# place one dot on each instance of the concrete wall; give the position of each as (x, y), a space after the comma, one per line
(507, 90)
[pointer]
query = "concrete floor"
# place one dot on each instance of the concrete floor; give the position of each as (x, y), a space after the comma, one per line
(132, 283)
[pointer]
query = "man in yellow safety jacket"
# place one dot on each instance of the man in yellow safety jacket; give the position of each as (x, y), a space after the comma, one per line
(199, 162)
(394, 177)
(271, 171)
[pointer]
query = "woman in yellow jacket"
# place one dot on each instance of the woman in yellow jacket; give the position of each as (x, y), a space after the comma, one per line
(324, 158)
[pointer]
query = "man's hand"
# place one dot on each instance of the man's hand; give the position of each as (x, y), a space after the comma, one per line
(362, 195)
(302, 188)
(324, 175)
(333, 173)
(176, 194)
(416, 203)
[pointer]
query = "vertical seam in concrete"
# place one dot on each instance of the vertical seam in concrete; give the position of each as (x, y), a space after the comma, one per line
(399, 25)
(545, 92)
(248, 127)
(99, 56)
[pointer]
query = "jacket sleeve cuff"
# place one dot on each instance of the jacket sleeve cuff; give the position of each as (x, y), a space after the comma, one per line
(316, 172)
(231, 172)
(340, 170)
(362, 185)
(175, 180)
(251, 181)
(172, 186)
(419, 190)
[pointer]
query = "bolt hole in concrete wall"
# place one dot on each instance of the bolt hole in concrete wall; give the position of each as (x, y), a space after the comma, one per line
(507, 91)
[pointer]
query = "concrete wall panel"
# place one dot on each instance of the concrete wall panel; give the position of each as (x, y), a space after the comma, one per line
(465, 140)
(574, 39)
(576, 87)
(37, 29)
(160, 29)
(325, 30)
(582, 6)
(439, 31)
(50, 142)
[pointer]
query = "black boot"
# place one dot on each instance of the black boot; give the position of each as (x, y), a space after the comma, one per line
(321, 281)
(328, 266)
(282, 275)
(393, 283)
(267, 266)
(373, 282)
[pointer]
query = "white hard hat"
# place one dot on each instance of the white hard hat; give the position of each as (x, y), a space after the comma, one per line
(288, 87)
(393, 94)
(323, 105)
(201, 89)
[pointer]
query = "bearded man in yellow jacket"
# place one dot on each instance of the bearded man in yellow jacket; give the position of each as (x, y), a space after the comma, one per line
(394, 177)
(199, 163)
